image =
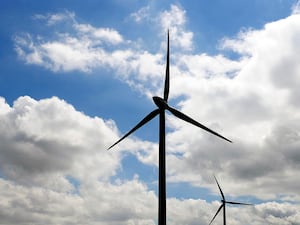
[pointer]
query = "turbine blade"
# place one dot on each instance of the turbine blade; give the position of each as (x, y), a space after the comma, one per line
(220, 188)
(238, 203)
(216, 213)
(149, 117)
(194, 122)
(167, 80)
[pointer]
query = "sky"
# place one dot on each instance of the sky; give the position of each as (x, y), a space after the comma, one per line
(77, 75)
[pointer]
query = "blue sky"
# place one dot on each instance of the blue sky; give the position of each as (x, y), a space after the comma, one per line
(77, 75)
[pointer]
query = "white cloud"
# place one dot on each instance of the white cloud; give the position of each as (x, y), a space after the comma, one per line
(257, 108)
(140, 15)
(67, 54)
(55, 18)
(296, 7)
(102, 34)
(55, 168)
(82, 49)
(95, 204)
(175, 21)
(174, 17)
(44, 141)
(85, 48)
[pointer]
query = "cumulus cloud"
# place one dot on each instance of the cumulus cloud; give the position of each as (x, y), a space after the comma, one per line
(96, 204)
(175, 20)
(49, 138)
(55, 168)
(276, 213)
(257, 107)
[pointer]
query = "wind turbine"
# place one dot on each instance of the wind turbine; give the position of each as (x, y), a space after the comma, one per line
(223, 205)
(162, 106)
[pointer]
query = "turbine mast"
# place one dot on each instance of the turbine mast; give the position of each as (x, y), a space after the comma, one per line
(224, 213)
(162, 170)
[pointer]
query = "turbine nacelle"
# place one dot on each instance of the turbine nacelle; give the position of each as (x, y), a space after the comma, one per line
(160, 102)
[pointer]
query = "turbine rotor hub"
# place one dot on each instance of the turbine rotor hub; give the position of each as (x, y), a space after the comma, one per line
(160, 102)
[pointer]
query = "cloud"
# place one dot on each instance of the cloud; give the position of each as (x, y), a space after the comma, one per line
(68, 53)
(53, 19)
(276, 213)
(44, 141)
(242, 91)
(83, 47)
(256, 106)
(175, 20)
(296, 8)
(55, 168)
(96, 204)
(141, 15)
(103, 34)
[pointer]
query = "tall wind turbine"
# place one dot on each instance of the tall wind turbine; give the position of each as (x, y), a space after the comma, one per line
(223, 205)
(162, 106)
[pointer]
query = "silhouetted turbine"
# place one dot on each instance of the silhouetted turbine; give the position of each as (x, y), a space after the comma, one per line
(162, 105)
(223, 205)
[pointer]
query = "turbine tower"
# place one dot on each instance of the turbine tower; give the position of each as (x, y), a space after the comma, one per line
(223, 205)
(162, 106)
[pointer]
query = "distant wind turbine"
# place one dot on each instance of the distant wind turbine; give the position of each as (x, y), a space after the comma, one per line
(224, 202)
(162, 105)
